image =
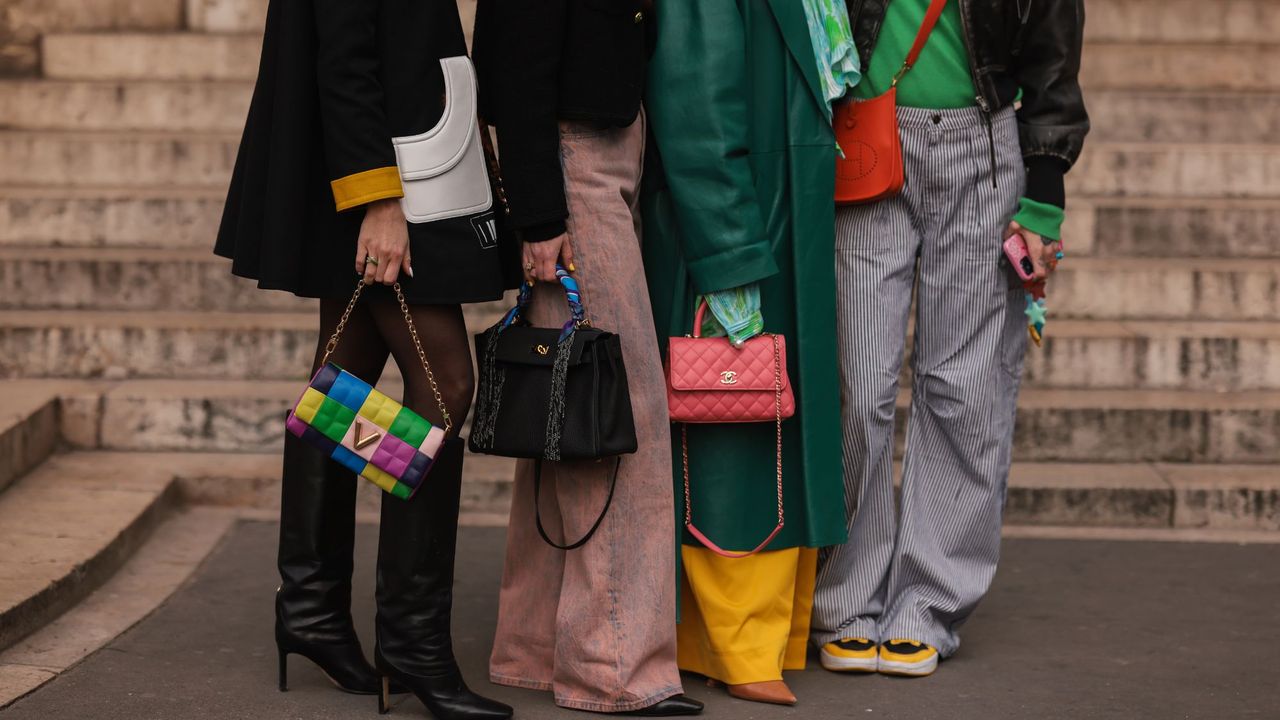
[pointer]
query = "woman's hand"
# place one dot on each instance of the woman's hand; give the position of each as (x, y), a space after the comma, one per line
(384, 237)
(540, 258)
(1044, 258)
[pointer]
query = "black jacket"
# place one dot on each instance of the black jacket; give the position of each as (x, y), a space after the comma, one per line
(542, 61)
(337, 80)
(1034, 45)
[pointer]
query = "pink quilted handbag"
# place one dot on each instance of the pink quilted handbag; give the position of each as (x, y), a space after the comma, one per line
(709, 380)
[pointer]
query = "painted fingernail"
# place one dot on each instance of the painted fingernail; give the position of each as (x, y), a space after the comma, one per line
(410, 270)
(573, 268)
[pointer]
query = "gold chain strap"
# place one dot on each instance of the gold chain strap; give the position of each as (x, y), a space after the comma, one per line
(413, 333)
(777, 416)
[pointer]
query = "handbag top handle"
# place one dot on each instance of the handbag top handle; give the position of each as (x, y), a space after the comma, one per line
(577, 312)
(926, 27)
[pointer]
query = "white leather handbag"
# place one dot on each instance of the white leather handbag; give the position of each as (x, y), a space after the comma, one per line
(443, 170)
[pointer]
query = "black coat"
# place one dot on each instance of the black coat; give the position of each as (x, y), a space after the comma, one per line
(338, 79)
(542, 61)
(1032, 45)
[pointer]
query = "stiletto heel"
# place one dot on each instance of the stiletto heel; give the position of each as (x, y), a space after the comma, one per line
(284, 671)
(416, 548)
(384, 697)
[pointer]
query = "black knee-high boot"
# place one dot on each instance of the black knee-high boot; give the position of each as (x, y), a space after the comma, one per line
(317, 537)
(416, 548)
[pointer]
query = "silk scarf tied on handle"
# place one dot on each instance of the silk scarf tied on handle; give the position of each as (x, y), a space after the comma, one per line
(553, 394)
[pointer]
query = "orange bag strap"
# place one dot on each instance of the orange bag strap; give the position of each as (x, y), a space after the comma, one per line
(930, 19)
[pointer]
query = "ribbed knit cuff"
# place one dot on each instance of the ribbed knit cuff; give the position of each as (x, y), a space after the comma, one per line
(1040, 218)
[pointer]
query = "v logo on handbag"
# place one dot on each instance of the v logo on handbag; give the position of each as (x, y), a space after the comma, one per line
(363, 441)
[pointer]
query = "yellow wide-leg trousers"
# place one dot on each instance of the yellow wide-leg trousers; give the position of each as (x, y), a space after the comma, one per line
(745, 620)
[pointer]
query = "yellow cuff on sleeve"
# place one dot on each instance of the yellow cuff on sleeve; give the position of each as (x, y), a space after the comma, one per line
(365, 187)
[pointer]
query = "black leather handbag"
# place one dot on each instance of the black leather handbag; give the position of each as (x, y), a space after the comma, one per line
(553, 394)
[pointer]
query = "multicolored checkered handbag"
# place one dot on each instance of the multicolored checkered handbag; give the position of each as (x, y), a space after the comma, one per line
(378, 438)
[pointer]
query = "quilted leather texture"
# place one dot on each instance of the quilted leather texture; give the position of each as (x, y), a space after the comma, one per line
(325, 417)
(711, 381)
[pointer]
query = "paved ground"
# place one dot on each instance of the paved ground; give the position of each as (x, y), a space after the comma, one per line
(1072, 629)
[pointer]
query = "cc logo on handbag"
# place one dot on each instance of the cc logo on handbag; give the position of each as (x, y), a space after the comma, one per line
(541, 349)
(728, 377)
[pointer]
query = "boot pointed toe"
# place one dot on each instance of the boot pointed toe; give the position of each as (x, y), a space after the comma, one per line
(674, 706)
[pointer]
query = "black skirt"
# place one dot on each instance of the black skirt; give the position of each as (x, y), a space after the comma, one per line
(280, 225)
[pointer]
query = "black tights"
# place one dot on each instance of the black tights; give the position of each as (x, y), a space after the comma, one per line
(377, 328)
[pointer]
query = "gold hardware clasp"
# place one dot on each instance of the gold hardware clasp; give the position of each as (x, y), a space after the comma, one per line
(363, 441)
(541, 349)
(728, 377)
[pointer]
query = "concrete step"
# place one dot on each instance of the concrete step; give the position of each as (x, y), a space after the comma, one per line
(26, 21)
(28, 428)
(170, 218)
(221, 106)
(1161, 288)
(172, 106)
(1165, 227)
(132, 279)
(1087, 287)
(1163, 65)
(1239, 497)
(1053, 425)
(175, 549)
(276, 346)
(1225, 21)
(163, 344)
(153, 217)
(1177, 170)
(152, 56)
(205, 160)
(1235, 497)
(1156, 355)
(226, 16)
(89, 344)
(68, 526)
(80, 159)
(1148, 426)
(1185, 116)
(137, 279)
(252, 480)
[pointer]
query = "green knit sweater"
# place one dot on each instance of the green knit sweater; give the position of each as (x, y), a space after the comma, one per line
(940, 79)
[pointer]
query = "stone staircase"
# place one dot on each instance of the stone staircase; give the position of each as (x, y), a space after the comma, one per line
(138, 373)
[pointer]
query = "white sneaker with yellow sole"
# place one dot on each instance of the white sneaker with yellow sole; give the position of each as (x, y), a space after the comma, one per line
(850, 655)
(910, 658)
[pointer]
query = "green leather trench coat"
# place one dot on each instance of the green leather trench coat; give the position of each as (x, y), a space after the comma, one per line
(740, 190)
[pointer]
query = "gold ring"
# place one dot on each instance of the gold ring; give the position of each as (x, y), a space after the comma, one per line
(371, 259)
(528, 266)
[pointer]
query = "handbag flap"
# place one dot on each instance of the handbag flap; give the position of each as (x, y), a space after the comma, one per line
(523, 345)
(715, 364)
(439, 149)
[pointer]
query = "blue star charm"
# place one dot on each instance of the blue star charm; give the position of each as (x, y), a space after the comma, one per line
(1035, 312)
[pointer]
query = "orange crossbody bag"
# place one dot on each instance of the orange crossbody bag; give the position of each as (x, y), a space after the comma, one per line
(867, 131)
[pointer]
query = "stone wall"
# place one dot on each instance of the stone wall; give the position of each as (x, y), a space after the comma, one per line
(24, 22)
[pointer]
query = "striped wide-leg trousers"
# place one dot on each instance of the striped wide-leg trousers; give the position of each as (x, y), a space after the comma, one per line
(916, 569)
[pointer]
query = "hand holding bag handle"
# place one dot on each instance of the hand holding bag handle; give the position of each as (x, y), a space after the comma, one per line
(684, 448)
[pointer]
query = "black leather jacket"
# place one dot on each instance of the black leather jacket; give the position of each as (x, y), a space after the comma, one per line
(1034, 45)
